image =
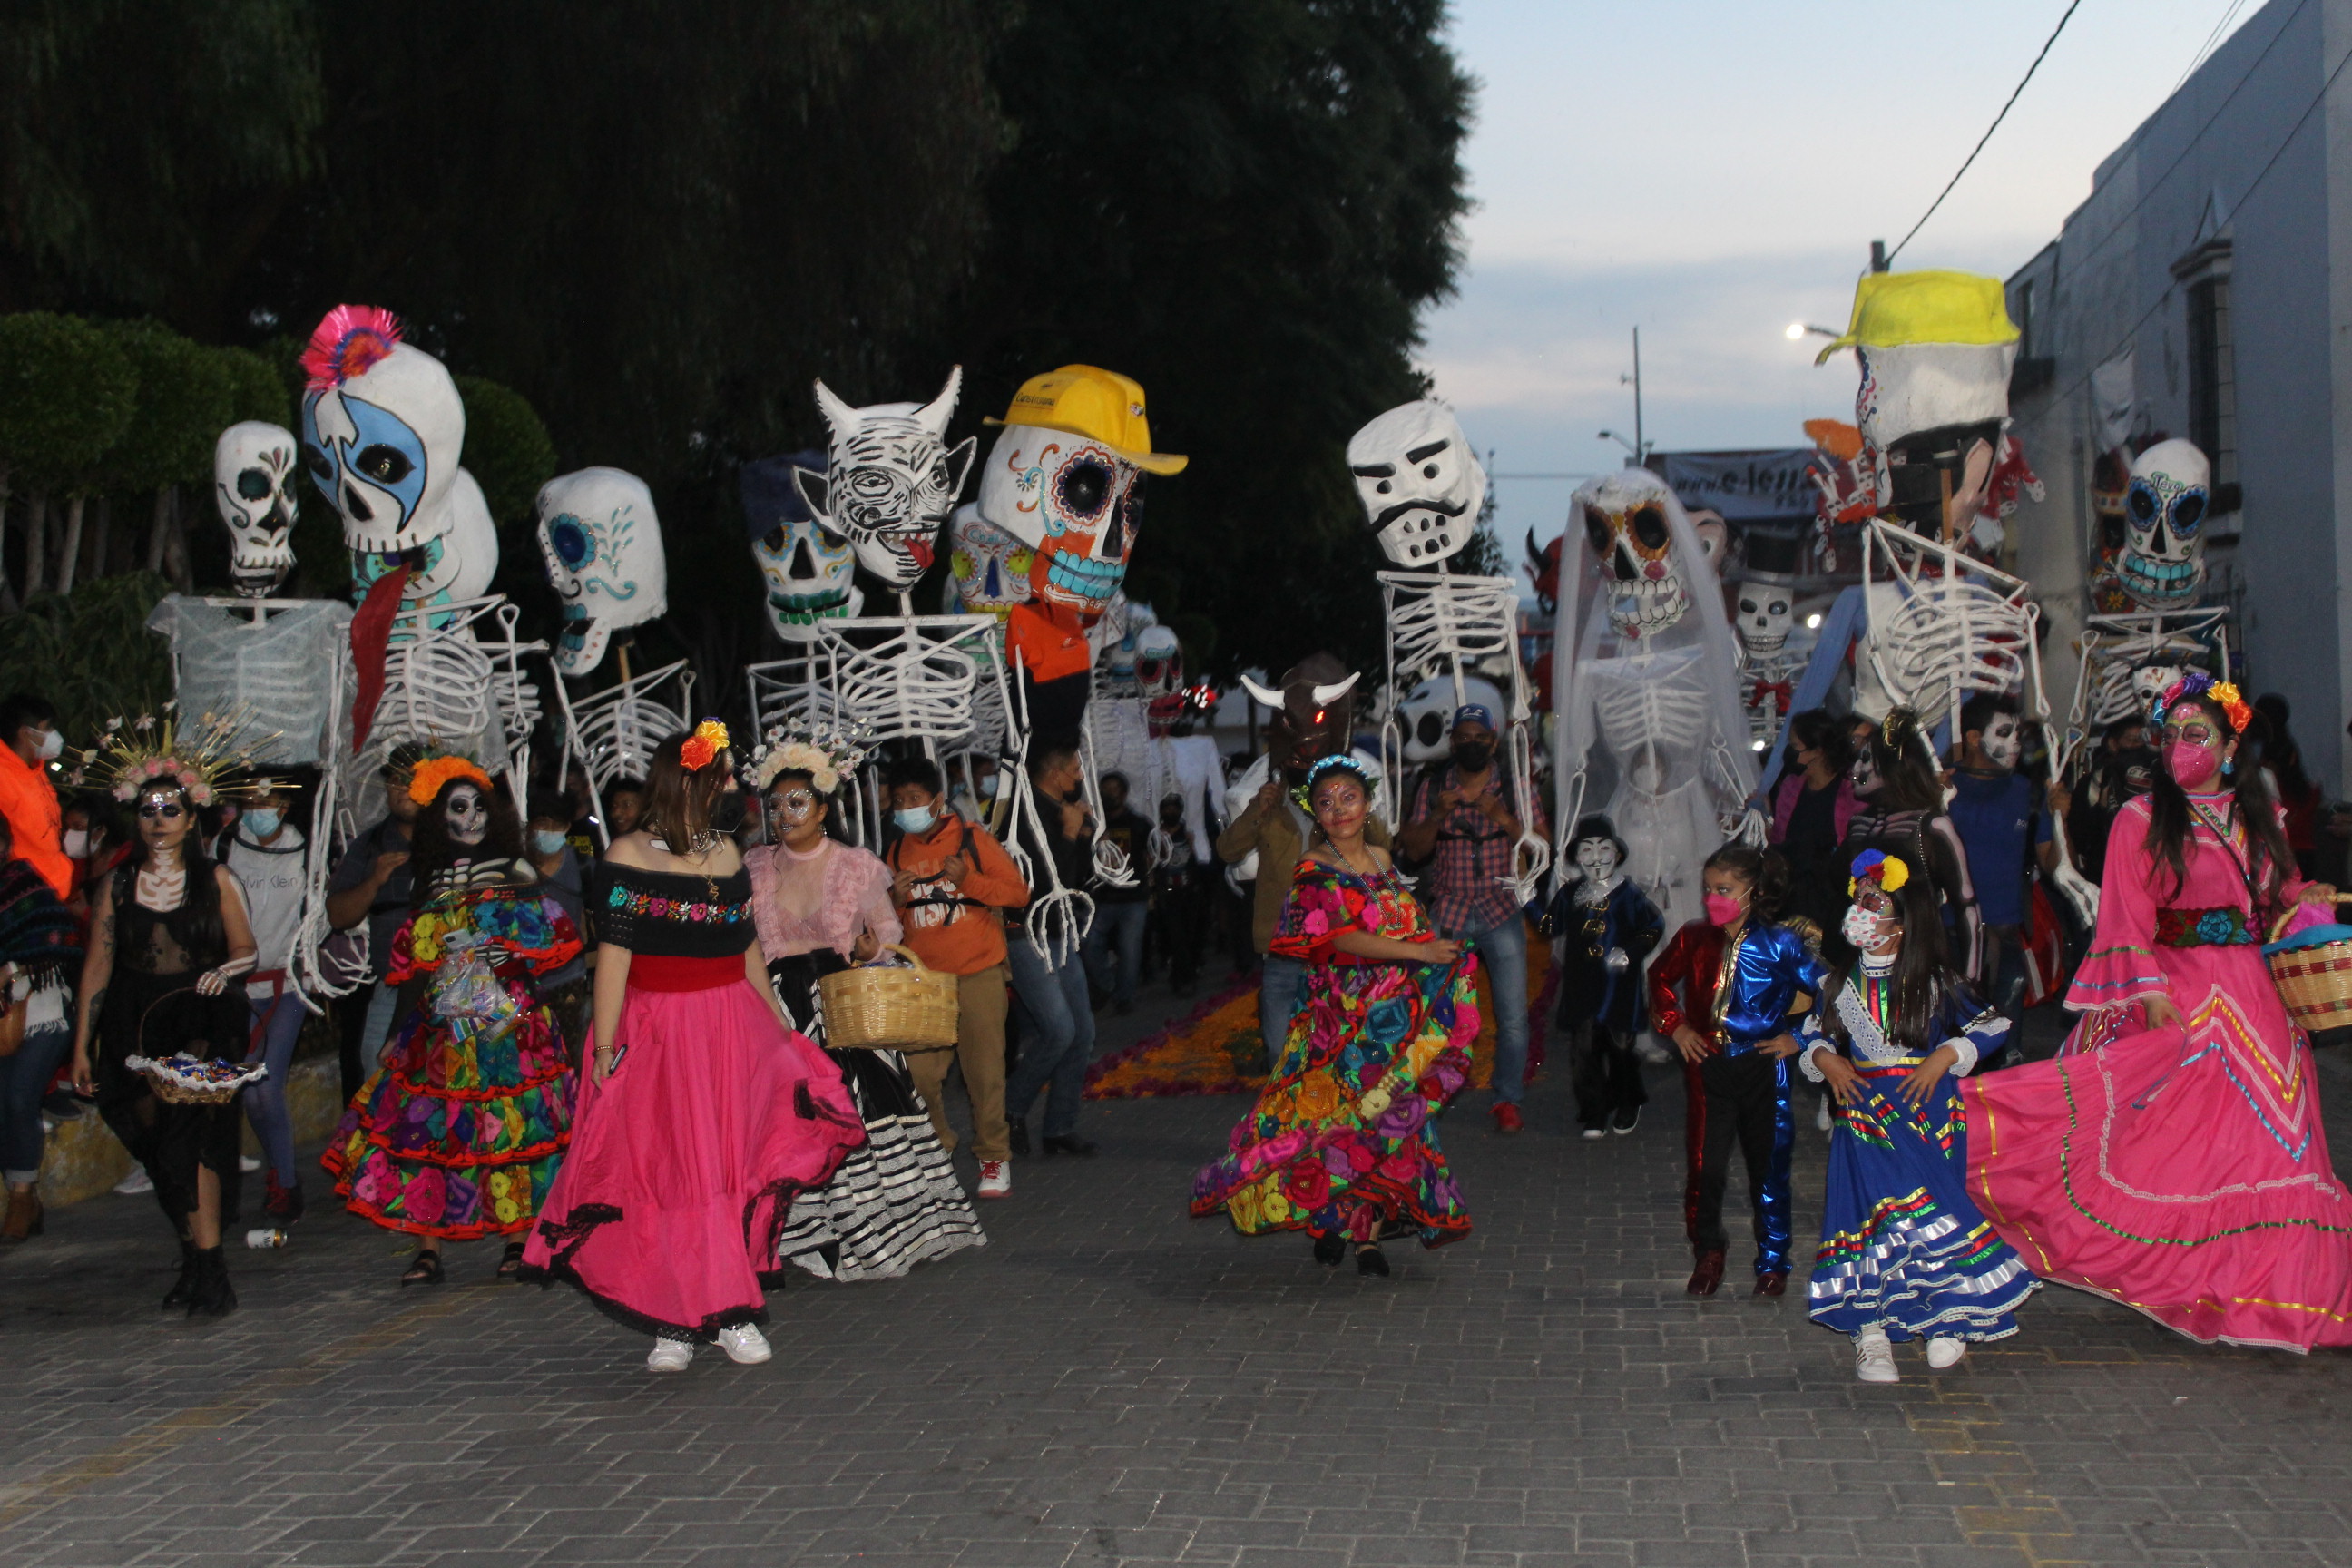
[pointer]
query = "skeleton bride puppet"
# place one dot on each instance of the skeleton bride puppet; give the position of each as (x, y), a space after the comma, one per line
(1645, 683)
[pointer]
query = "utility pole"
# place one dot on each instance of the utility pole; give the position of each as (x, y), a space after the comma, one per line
(1641, 446)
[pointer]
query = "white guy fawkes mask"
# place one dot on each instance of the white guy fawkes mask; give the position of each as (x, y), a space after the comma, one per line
(1419, 480)
(2002, 743)
(1624, 517)
(1766, 615)
(990, 566)
(252, 463)
(807, 571)
(601, 542)
(889, 479)
(2162, 562)
(468, 816)
(1597, 858)
(1071, 500)
(383, 431)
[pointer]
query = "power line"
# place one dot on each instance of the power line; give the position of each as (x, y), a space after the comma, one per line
(2206, 47)
(1997, 119)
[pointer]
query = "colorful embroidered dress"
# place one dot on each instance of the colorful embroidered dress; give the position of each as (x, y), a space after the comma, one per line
(459, 1132)
(1903, 1247)
(2183, 1172)
(1343, 1141)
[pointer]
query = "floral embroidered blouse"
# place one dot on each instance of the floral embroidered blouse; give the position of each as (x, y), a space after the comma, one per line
(824, 899)
(670, 913)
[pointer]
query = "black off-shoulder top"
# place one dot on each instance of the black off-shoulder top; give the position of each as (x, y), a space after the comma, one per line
(674, 914)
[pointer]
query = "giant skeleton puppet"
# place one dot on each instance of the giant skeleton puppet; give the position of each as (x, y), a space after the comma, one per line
(601, 541)
(1422, 487)
(1645, 686)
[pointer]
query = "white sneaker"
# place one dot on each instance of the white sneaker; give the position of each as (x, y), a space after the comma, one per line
(247, 1163)
(1945, 1350)
(1596, 1132)
(670, 1355)
(1822, 1118)
(138, 1181)
(745, 1345)
(995, 1178)
(1873, 1358)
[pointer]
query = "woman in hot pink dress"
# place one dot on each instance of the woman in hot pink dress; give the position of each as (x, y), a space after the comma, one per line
(2172, 1159)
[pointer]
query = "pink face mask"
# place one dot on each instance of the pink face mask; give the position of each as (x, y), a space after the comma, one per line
(1722, 908)
(2192, 766)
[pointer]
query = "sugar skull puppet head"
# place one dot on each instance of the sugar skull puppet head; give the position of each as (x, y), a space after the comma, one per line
(1159, 663)
(1628, 518)
(2162, 563)
(1065, 477)
(602, 543)
(1767, 615)
(252, 467)
(383, 431)
(456, 564)
(807, 571)
(988, 567)
(889, 481)
(1420, 483)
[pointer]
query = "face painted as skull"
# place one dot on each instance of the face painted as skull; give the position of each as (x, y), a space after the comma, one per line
(602, 544)
(1419, 481)
(252, 464)
(2002, 741)
(1626, 526)
(467, 815)
(889, 481)
(1073, 500)
(2162, 562)
(1767, 615)
(1864, 773)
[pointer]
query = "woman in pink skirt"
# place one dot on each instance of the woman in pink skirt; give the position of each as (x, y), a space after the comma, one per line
(2172, 1159)
(702, 1112)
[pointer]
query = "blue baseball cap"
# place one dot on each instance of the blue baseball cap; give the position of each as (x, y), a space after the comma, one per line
(1472, 713)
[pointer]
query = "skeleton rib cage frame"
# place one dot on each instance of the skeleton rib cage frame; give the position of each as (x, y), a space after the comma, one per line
(2115, 648)
(612, 733)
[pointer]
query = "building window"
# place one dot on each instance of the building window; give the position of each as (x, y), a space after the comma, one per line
(2212, 358)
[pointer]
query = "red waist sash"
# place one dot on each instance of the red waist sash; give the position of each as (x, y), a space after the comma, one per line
(663, 971)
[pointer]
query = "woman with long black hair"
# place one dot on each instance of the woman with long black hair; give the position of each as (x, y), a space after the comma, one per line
(2172, 1157)
(1902, 795)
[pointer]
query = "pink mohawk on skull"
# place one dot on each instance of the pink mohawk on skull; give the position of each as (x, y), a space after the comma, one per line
(347, 342)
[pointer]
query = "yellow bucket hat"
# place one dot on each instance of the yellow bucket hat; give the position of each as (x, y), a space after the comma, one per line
(1100, 404)
(1895, 309)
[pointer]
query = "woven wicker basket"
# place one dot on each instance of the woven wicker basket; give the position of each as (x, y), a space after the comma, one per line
(2316, 983)
(173, 1089)
(890, 1009)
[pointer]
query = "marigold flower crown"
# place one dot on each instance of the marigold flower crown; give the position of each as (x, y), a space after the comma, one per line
(433, 775)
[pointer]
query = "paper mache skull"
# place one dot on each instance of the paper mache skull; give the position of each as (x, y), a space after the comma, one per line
(807, 570)
(889, 481)
(1065, 478)
(1425, 717)
(456, 564)
(1421, 484)
(601, 542)
(1625, 518)
(1159, 662)
(252, 467)
(2162, 563)
(1766, 614)
(988, 567)
(383, 431)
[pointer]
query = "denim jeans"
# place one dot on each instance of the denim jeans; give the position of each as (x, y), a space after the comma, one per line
(1281, 991)
(1502, 950)
(2007, 943)
(23, 1080)
(1057, 1036)
(279, 1023)
(1121, 924)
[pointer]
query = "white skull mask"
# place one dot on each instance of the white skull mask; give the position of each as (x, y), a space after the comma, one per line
(1420, 482)
(2002, 743)
(1625, 516)
(889, 481)
(2162, 565)
(990, 566)
(467, 815)
(1767, 615)
(807, 571)
(1864, 771)
(2150, 682)
(252, 463)
(601, 542)
(1071, 500)
(456, 564)
(383, 431)
(1159, 663)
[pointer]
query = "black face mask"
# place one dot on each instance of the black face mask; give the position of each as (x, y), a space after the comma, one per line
(1472, 756)
(727, 812)
(2136, 768)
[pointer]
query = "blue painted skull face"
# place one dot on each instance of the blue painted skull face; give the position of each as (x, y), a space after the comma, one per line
(601, 545)
(371, 466)
(808, 577)
(2162, 563)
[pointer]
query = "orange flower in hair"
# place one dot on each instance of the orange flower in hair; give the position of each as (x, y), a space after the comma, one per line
(2233, 703)
(430, 777)
(709, 739)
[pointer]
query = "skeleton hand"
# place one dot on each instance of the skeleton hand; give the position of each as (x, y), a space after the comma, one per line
(211, 983)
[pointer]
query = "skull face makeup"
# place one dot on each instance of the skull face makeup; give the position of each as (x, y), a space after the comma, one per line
(1625, 520)
(1419, 480)
(889, 481)
(467, 816)
(2002, 743)
(807, 571)
(383, 430)
(252, 465)
(603, 547)
(2162, 563)
(1075, 502)
(990, 566)
(1766, 616)
(1864, 774)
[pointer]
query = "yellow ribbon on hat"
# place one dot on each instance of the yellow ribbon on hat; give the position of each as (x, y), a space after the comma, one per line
(1892, 310)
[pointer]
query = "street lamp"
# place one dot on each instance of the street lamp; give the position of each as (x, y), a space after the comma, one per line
(1797, 330)
(1640, 452)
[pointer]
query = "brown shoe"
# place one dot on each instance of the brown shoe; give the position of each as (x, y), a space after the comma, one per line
(24, 1216)
(1707, 1275)
(1771, 1284)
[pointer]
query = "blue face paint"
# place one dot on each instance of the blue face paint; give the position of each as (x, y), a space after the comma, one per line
(575, 546)
(383, 460)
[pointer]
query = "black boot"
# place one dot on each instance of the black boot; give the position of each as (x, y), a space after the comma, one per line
(213, 1297)
(182, 1287)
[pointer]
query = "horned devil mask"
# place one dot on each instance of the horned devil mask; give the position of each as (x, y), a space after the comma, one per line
(889, 481)
(2162, 563)
(252, 465)
(603, 547)
(1314, 711)
(1421, 484)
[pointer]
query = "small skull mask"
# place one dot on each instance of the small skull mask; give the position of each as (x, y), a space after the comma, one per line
(1074, 501)
(383, 431)
(2162, 563)
(807, 570)
(889, 481)
(467, 815)
(990, 566)
(1420, 482)
(1766, 615)
(252, 465)
(603, 547)
(1625, 515)
(1159, 663)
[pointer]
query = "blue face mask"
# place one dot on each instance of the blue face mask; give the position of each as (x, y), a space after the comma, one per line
(915, 818)
(264, 822)
(546, 843)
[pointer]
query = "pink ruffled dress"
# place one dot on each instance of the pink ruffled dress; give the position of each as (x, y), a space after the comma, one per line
(2181, 1170)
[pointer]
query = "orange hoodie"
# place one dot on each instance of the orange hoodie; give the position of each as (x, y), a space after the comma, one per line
(957, 928)
(29, 802)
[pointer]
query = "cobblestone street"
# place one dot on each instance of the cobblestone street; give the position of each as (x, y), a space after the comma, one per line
(1109, 1382)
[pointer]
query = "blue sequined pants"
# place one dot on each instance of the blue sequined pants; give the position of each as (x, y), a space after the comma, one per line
(1741, 1099)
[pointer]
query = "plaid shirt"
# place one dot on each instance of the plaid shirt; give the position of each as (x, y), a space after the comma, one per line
(1468, 881)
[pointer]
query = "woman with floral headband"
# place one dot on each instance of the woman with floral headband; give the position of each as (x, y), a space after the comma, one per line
(1342, 1143)
(703, 1112)
(821, 906)
(460, 1131)
(2172, 1157)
